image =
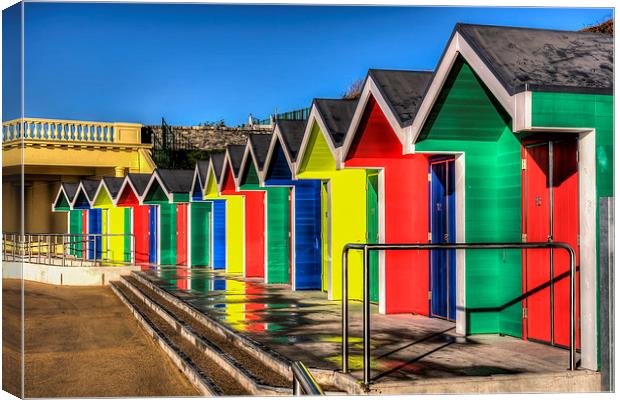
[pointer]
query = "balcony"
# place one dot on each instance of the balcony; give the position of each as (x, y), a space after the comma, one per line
(54, 143)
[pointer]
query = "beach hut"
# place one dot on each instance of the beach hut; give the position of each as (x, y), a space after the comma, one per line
(305, 203)
(233, 214)
(114, 220)
(169, 190)
(343, 194)
(199, 219)
(397, 190)
(143, 217)
(84, 199)
(253, 212)
(76, 219)
(531, 134)
(277, 210)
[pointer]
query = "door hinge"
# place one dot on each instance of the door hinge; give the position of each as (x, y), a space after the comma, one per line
(578, 240)
(430, 236)
(524, 312)
(523, 163)
(430, 177)
(430, 295)
(524, 237)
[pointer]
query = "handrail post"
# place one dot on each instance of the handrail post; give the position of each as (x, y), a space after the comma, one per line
(571, 253)
(366, 321)
(132, 251)
(345, 310)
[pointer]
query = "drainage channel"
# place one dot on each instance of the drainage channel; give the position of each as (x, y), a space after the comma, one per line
(220, 380)
(257, 369)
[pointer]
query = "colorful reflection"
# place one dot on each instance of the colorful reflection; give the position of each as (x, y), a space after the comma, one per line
(253, 307)
(200, 280)
(183, 281)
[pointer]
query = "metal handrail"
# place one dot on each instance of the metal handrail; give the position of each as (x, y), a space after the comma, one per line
(366, 247)
(25, 245)
(303, 381)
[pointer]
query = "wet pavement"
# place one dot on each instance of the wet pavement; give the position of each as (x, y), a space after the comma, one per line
(305, 326)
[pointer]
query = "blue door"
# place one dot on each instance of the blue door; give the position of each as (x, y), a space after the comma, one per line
(219, 234)
(442, 227)
(94, 226)
(307, 217)
(153, 234)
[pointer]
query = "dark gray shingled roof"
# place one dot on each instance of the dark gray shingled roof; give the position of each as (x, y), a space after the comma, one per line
(260, 145)
(139, 182)
(218, 164)
(203, 169)
(176, 180)
(236, 156)
(544, 60)
(113, 184)
(402, 90)
(90, 187)
(70, 189)
(293, 134)
(337, 115)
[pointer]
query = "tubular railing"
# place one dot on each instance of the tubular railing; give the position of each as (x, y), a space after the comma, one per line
(367, 247)
(303, 381)
(54, 248)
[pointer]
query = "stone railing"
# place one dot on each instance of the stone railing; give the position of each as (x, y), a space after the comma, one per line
(56, 130)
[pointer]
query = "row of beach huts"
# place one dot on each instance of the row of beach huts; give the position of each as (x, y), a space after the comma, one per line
(509, 139)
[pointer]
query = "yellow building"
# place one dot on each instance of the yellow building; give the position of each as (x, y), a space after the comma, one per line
(51, 151)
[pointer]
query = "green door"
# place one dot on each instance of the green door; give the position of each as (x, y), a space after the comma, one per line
(168, 234)
(200, 215)
(75, 227)
(278, 238)
(372, 231)
(128, 242)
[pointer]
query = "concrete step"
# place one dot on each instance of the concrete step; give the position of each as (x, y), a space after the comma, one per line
(154, 327)
(257, 365)
(581, 381)
(248, 373)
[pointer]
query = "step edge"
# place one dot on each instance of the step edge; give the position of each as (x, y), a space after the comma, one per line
(201, 382)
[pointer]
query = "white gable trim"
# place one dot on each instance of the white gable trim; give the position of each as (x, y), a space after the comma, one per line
(227, 165)
(102, 184)
(210, 172)
(126, 182)
(249, 152)
(315, 116)
(155, 177)
(370, 89)
(276, 136)
(77, 193)
(61, 190)
(194, 179)
(518, 106)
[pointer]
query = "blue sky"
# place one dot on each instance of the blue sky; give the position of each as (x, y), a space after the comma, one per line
(196, 63)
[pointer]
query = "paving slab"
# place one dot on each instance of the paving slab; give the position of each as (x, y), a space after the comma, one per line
(305, 326)
(83, 342)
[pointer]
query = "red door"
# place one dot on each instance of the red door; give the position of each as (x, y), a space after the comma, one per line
(181, 234)
(551, 213)
(141, 234)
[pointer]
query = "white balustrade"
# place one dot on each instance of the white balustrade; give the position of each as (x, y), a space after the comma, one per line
(58, 130)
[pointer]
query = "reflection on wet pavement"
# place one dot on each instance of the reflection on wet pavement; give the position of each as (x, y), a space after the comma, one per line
(305, 326)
